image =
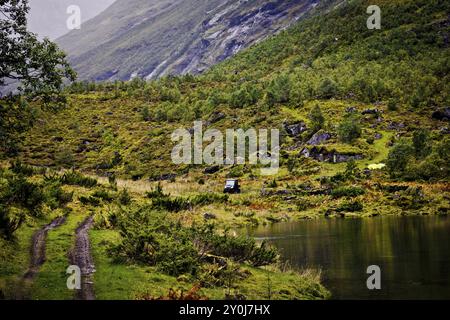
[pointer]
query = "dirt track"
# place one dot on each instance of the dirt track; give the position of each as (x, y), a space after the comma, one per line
(81, 257)
(38, 247)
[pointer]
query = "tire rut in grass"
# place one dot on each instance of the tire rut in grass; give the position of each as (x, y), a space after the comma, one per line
(38, 245)
(81, 257)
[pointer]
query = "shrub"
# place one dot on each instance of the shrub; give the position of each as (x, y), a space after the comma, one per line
(90, 201)
(347, 192)
(145, 113)
(208, 198)
(317, 119)
(157, 192)
(149, 238)
(177, 256)
(327, 89)
(349, 129)
(398, 158)
(77, 179)
(20, 168)
(350, 206)
(124, 197)
(25, 194)
(422, 143)
(172, 204)
(56, 197)
(104, 195)
(235, 172)
(9, 223)
(392, 105)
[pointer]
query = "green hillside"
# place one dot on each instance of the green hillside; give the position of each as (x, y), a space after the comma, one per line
(364, 121)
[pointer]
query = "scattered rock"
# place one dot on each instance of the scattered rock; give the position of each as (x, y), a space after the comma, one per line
(164, 177)
(371, 111)
(211, 170)
(323, 155)
(319, 138)
(351, 109)
(442, 115)
(378, 136)
(209, 216)
(216, 117)
(295, 129)
(58, 139)
(396, 126)
(445, 130)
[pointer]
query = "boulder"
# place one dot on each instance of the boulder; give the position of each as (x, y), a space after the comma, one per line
(294, 130)
(209, 216)
(319, 138)
(323, 155)
(371, 111)
(442, 114)
(164, 177)
(216, 117)
(396, 126)
(378, 136)
(211, 170)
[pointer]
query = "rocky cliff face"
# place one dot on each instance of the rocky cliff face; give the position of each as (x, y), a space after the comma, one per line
(152, 38)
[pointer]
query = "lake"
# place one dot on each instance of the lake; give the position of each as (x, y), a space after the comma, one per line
(413, 253)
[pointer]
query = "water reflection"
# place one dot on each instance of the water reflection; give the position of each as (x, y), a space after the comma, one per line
(413, 253)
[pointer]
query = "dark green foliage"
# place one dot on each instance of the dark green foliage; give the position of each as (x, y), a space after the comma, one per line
(317, 119)
(174, 249)
(22, 169)
(177, 256)
(145, 114)
(16, 116)
(350, 206)
(21, 199)
(327, 89)
(422, 143)
(75, 178)
(392, 105)
(279, 89)
(26, 195)
(56, 196)
(171, 204)
(347, 192)
(208, 198)
(103, 195)
(399, 156)
(9, 223)
(419, 159)
(235, 172)
(39, 65)
(156, 192)
(90, 200)
(349, 129)
(243, 97)
(124, 197)
(412, 198)
(272, 184)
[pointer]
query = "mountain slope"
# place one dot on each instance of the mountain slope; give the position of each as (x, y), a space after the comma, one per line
(48, 18)
(152, 38)
(400, 74)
